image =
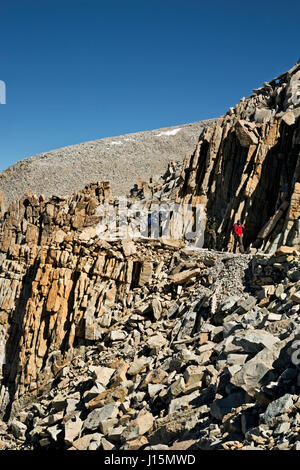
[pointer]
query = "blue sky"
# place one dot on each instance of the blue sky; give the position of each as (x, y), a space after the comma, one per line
(79, 70)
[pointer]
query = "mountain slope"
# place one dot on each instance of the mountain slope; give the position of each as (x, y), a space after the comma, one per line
(128, 344)
(120, 160)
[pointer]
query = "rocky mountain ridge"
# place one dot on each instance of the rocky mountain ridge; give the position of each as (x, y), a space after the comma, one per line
(120, 160)
(112, 342)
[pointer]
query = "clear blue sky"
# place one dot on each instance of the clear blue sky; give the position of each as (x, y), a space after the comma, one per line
(79, 70)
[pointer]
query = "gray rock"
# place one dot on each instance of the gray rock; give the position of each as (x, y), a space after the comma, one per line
(182, 402)
(254, 318)
(117, 335)
(18, 429)
(221, 406)
(254, 341)
(252, 372)
(156, 308)
(177, 387)
(116, 433)
(263, 114)
(277, 407)
(106, 426)
(156, 342)
(188, 322)
(238, 359)
(282, 428)
(154, 389)
(229, 303)
(230, 327)
(139, 365)
(180, 359)
(101, 374)
(85, 442)
(95, 417)
(245, 305)
(71, 404)
(106, 445)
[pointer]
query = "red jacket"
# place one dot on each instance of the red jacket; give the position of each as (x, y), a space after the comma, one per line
(238, 229)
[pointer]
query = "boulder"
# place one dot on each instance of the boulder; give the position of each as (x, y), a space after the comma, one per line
(139, 364)
(254, 341)
(221, 406)
(93, 421)
(72, 429)
(250, 376)
(18, 429)
(102, 375)
(277, 407)
(184, 276)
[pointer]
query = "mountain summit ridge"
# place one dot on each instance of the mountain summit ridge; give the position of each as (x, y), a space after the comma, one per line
(120, 159)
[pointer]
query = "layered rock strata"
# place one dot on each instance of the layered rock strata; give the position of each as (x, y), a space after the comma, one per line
(246, 166)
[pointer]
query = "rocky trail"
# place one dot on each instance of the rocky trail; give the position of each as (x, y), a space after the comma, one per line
(200, 358)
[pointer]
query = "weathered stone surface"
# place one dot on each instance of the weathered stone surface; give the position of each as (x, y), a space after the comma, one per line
(254, 341)
(278, 407)
(296, 297)
(95, 417)
(156, 308)
(220, 407)
(182, 402)
(108, 396)
(144, 421)
(245, 133)
(193, 375)
(249, 376)
(136, 444)
(146, 273)
(138, 365)
(285, 250)
(18, 429)
(84, 442)
(156, 342)
(184, 276)
(102, 375)
(246, 305)
(129, 247)
(72, 430)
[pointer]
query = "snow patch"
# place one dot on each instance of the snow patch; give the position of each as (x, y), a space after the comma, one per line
(116, 142)
(173, 132)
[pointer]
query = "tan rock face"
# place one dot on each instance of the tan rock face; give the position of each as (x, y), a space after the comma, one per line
(57, 288)
(250, 173)
(246, 133)
(181, 278)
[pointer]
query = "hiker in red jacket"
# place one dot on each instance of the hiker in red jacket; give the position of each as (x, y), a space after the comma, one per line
(238, 230)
